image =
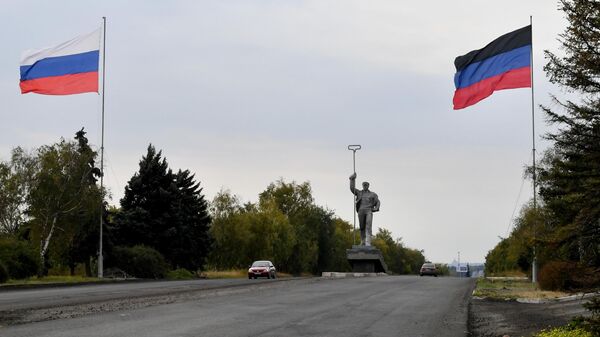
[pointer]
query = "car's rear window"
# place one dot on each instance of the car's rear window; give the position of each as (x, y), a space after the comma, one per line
(260, 264)
(429, 265)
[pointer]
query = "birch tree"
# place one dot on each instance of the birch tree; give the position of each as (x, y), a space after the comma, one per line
(15, 183)
(60, 188)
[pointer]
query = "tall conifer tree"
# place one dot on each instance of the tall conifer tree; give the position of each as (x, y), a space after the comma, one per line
(166, 211)
(570, 174)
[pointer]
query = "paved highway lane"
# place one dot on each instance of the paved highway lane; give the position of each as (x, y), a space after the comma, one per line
(378, 306)
(68, 295)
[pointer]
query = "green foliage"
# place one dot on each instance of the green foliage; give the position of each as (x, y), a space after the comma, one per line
(189, 237)
(592, 322)
(557, 275)
(565, 229)
(285, 226)
(399, 259)
(34, 280)
(291, 198)
(166, 211)
(308, 220)
(442, 269)
(180, 274)
(50, 198)
(578, 68)
(140, 261)
(231, 233)
(83, 244)
(3, 273)
(15, 184)
(18, 257)
(63, 200)
(342, 240)
(245, 234)
(514, 252)
(564, 332)
(570, 172)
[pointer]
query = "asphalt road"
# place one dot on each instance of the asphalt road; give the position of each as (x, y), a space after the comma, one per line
(69, 295)
(375, 306)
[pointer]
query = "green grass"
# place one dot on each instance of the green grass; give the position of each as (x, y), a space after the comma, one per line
(180, 274)
(177, 274)
(51, 279)
(234, 273)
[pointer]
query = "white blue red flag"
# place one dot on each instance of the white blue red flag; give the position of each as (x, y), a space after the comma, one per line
(66, 69)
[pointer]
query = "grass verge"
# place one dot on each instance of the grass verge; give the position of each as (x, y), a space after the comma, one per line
(511, 289)
(50, 280)
(234, 273)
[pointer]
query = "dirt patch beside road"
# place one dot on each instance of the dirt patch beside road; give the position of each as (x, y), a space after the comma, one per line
(491, 318)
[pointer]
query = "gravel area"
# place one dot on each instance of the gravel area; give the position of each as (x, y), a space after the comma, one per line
(491, 318)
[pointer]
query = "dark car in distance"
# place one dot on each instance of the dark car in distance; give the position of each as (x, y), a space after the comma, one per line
(428, 269)
(262, 269)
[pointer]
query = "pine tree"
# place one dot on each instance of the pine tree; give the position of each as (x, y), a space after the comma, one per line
(191, 242)
(165, 211)
(570, 174)
(145, 208)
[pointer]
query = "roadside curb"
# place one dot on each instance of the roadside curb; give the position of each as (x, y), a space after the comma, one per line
(576, 297)
(328, 274)
(12, 287)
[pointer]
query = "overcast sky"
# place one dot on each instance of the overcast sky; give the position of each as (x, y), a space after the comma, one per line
(246, 92)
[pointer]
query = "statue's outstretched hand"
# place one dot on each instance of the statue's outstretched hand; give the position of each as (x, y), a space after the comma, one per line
(353, 176)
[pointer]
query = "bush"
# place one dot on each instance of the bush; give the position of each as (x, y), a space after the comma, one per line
(180, 274)
(3, 273)
(557, 275)
(586, 278)
(592, 322)
(140, 261)
(564, 332)
(19, 258)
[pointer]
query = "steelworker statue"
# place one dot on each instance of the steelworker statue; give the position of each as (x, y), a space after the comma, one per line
(367, 202)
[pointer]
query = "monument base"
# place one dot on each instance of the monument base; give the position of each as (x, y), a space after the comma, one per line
(366, 259)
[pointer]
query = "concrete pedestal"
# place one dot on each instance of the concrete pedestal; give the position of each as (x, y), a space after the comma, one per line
(366, 259)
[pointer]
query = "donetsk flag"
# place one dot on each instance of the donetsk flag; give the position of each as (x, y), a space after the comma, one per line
(69, 68)
(504, 63)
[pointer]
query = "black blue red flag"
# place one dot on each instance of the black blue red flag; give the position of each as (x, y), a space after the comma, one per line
(504, 63)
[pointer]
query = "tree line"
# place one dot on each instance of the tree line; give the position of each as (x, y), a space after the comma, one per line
(51, 205)
(564, 228)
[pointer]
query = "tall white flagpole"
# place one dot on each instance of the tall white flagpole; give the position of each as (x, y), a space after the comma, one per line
(100, 253)
(534, 270)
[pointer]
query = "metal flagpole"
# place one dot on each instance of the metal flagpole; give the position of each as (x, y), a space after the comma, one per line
(354, 148)
(100, 254)
(534, 263)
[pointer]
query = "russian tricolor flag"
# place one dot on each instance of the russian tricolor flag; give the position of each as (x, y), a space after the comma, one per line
(66, 69)
(504, 63)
